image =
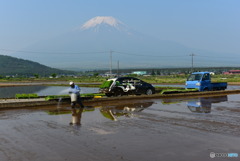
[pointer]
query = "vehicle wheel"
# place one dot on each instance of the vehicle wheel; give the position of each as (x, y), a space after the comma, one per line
(118, 92)
(108, 95)
(223, 88)
(206, 89)
(149, 92)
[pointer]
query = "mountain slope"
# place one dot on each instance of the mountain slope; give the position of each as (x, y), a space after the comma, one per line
(97, 21)
(12, 66)
(89, 47)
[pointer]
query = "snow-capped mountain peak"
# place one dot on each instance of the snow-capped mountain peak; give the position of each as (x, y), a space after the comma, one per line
(108, 20)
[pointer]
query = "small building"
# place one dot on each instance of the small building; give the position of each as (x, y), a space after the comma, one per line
(232, 72)
(139, 72)
(107, 74)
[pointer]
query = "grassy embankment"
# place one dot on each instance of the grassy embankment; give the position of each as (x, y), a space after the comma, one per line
(95, 81)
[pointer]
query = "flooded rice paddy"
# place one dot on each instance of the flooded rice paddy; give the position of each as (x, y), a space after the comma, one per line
(10, 92)
(41, 90)
(153, 129)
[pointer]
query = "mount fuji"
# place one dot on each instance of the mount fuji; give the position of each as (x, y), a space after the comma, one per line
(98, 23)
(104, 38)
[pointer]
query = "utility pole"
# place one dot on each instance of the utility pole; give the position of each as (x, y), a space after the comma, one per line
(192, 59)
(110, 72)
(118, 68)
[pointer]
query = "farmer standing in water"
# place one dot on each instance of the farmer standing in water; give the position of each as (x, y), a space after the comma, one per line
(74, 89)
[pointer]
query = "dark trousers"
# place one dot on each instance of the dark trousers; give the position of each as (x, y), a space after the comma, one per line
(79, 101)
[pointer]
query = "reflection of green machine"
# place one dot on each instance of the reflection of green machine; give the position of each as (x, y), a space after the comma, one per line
(108, 114)
(123, 110)
(171, 101)
(204, 104)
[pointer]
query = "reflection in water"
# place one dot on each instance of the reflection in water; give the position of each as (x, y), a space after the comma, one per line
(67, 110)
(118, 110)
(204, 104)
(198, 105)
(112, 112)
(76, 116)
(127, 110)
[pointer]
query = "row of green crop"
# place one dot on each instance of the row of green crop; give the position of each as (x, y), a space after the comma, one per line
(23, 96)
(173, 78)
(169, 91)
(33, 95)
(161, 90)
(51, 97)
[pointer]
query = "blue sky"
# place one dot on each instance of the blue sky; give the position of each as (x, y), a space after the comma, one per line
(203, 24)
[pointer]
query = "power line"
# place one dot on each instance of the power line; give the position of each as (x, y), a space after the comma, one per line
(104, 52)
(51, 52)
(218, 56)
(148, 55)
(110, 72)
(89, 52)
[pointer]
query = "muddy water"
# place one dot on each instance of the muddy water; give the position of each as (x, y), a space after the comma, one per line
(41, 90)
(169, 129)
(10, 92)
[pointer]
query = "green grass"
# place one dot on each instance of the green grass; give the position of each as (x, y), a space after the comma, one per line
(94, 81)
(24, 96)
(53, 97)
(92, 94)
(170, 91)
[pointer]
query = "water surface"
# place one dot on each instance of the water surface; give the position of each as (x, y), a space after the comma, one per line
(10, 92)
(157, 129)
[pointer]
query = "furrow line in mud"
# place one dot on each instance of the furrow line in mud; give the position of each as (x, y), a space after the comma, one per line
(203, 125)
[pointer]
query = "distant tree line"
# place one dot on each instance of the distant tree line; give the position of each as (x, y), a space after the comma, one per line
(169, 71)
